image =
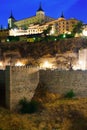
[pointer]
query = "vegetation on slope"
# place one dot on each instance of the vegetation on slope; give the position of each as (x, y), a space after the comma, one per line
(39, 49)
(57, 114)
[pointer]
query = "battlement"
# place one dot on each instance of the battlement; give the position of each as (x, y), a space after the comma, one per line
(19, 68)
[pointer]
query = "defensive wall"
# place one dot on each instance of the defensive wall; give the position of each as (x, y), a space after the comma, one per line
(2, 88)
(63, 81)
(21, 82)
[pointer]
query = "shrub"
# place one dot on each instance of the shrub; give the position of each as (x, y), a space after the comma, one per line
(28, 107)
(69, 94)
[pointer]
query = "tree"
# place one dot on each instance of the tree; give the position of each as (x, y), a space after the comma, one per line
(47, 31)
(77, 28)
(24, 27)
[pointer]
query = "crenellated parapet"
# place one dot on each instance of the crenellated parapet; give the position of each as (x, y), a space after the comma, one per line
(22, 68)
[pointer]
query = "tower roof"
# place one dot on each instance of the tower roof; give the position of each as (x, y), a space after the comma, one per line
(40, 8)
(11, 15)
(62, 15)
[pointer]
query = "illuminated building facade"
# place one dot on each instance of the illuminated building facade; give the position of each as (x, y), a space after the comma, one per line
(33, 29)
(66, 26)
(36, 24)
(62, 25)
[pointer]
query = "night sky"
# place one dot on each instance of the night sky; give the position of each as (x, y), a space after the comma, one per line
(53, 8)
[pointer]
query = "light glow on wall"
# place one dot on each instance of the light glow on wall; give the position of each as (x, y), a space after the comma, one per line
(84, 32)
(82, 65)
(1, 64)
(19, 63)
(18, 32)
(46, 64)
(82, 60)
(34, 29)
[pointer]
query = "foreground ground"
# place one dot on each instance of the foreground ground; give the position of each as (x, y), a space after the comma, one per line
(56, 114)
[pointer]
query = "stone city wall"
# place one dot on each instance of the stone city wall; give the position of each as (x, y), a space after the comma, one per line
(63, 81)
(20, 82)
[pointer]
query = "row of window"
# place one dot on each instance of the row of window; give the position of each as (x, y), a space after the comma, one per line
(66, 22)
(35, 30)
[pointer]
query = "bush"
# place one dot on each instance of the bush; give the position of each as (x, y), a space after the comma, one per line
(28, 107)
(69, 94)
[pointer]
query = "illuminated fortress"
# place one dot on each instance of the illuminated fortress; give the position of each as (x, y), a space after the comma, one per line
(39, 18)
(38, 23)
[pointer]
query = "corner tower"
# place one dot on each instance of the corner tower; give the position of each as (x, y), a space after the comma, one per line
(11, 21)
(40, 13)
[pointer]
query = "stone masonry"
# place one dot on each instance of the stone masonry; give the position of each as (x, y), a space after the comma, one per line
(22, 81)
(63, 81)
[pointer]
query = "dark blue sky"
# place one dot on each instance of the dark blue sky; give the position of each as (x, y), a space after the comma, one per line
(53, 8)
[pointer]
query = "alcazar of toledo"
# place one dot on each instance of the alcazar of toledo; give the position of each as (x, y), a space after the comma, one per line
(36, 24)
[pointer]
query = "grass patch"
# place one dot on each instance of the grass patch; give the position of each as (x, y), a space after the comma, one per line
(28, 107)
(70, 94)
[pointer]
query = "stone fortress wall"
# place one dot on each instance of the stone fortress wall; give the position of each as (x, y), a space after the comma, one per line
(22, 81)
(63, 81)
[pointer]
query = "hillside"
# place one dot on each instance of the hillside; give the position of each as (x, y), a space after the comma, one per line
(57, 114)
(37, 50)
